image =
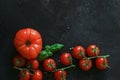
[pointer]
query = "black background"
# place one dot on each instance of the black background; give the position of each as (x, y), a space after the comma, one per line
(71, 22)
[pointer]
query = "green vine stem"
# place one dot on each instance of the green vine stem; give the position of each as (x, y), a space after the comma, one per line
(105, 56)
(64, 68)
(18, 68)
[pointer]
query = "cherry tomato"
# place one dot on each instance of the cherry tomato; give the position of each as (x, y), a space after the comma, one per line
(33, 64)
(93, 50)
(28, 43)
(85, 64)
(37, 75)
(24, 75)
(60, 75)
(78, 52)
(101, 63)
(66, 59)
(49, 64)
(19, 61)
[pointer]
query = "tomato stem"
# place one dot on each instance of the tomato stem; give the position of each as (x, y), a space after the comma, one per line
(18, 68)
(28, 43)
(71, 66)
(105, 56)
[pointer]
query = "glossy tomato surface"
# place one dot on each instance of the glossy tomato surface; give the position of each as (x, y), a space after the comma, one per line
(101, 63)
(28, 43)
(33, 64)
(78, 52)
(37, 75)
(66, 59)
(93, 50)
(60, 75)
(85, 64)
(25, 75)
(18, 61)
(49, 64)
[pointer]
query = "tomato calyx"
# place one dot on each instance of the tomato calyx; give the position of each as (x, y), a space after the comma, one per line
(94, 50)
(81, 53)
(51, 65)
(86, 63)
(29, 66)
(70, 59)
(63, 76)
(28, 43)
(18, 62)
(105, 64)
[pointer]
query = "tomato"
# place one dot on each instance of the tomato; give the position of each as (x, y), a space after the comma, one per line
(37, 75)
(85, 64)
(33, 64)
(49, 64)
(78, 52)
(19, 61)
(101, 63)
(60, 75)
(66, 59)
(24, 75)
(28, 43)
(93, 50)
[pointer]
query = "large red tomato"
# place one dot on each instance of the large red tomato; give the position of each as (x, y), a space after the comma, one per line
(28, 43)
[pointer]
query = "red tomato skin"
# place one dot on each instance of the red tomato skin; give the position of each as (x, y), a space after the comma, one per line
(26, 75)
(84, 66)
(58, 74)
(37, 75)
(19, 61)
(76, 52)
(100, 63)
(47, 64)
(64, 59)
(34, 64)
(90, 51)
(28, 43)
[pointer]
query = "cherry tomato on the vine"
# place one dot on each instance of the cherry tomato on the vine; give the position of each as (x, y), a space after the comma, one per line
(78, 52)
(49, 64)
(101, 63)
(66, 59)
(93, 50)
(25, 75)
(60, 75)
(33, 64)
(19, 61)
(85, 64)
(37, 75)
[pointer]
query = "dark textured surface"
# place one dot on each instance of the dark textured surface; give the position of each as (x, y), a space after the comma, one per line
(71, 22)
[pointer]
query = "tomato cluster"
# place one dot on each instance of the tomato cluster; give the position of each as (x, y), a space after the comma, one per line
(29, 69)
(28, 43)
(84, 57)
